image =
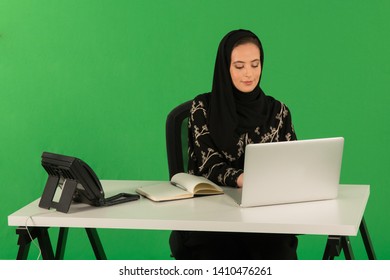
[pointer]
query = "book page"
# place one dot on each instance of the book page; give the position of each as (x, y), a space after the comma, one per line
(195, 184)
(163, 192)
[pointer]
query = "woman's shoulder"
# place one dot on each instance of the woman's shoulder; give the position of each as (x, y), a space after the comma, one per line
(200, 104)
(199, 108)
(275, 104)
(202, 100)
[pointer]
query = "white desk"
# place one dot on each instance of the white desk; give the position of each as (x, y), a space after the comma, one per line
(341, 217)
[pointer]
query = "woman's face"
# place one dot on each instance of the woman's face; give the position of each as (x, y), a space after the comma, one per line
(245, 68)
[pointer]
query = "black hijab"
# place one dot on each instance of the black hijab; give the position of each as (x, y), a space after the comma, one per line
(232, 112)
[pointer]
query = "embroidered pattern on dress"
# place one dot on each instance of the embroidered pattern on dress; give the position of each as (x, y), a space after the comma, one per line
(230, 172)
(200, 132)
(206, 157)
(209, 154)
(273, 134)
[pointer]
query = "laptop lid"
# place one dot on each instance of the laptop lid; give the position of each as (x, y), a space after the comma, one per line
(293, 171)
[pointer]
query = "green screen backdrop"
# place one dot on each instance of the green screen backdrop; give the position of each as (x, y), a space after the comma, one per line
(96, 79)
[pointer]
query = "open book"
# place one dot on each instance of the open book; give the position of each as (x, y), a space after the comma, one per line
(182, 186)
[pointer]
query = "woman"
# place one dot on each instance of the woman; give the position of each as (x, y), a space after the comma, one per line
(221, 124)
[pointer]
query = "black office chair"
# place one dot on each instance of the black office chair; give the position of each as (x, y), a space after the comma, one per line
(176, 132)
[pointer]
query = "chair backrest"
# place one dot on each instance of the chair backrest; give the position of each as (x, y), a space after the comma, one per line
(176, 133)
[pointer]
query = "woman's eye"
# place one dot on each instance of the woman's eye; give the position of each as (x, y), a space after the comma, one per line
(255, 65)
(239, 66)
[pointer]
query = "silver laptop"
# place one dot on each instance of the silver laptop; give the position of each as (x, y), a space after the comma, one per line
(288, 172)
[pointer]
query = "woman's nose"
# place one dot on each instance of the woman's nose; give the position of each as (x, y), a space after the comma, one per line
(247, 72)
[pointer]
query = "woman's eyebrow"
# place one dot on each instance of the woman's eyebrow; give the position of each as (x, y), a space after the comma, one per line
(239, 61)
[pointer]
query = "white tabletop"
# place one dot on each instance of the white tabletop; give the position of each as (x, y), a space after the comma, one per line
(341, 216)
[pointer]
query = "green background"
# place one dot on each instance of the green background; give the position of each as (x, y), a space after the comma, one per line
(96, 79)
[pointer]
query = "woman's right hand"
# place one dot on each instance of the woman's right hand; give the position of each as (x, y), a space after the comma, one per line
(240, 180)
